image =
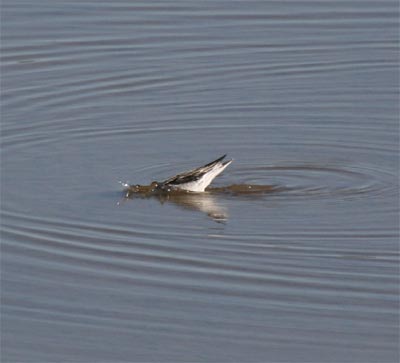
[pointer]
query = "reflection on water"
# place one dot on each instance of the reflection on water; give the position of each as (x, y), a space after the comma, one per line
(202, 202)
(206, 202)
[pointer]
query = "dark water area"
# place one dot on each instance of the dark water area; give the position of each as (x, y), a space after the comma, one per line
(303, 95)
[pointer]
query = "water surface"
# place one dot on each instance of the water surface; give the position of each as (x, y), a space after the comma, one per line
(303, 95)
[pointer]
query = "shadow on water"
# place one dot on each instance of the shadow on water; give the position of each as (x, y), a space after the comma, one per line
(206, 202)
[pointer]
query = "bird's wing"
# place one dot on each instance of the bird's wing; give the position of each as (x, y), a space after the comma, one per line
(193, 175)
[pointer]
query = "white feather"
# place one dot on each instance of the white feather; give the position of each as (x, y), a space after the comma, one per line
(201, 184)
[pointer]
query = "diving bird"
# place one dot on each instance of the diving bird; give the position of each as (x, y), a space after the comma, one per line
(196, 180)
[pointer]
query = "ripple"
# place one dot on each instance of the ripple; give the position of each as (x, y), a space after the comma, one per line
(314, 181)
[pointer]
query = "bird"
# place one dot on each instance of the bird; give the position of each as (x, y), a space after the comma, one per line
(196, 180)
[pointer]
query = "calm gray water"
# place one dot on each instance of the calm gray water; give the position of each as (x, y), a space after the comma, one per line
(301, 94)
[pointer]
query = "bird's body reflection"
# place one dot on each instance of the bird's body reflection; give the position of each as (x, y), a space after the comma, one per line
(208, 202)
